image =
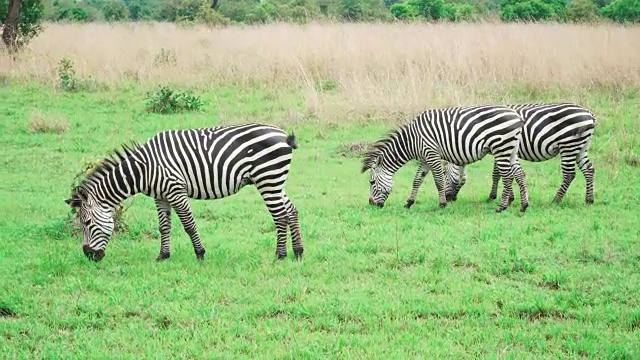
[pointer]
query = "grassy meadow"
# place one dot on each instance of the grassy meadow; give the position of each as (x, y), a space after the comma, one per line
(560, 281)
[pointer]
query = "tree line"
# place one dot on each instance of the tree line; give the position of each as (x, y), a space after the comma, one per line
(21, 19)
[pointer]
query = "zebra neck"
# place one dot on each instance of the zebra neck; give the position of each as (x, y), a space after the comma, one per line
(399, 153)
(120, 182)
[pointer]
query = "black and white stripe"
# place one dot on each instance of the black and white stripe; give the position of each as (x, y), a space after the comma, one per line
(174, 166)
(564, 129)
(459, 135)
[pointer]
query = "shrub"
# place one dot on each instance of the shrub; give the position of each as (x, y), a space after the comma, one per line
(582, 11)
(168, 101)
(115, 10)
(208, 16)
(622, 11)
(532, 10)
(41, 123)
(67, 79)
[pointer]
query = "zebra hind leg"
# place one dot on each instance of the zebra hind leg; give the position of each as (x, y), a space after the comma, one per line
(180, 204)
(164, 221)
(294, 228)
(567, 162)
(495, 178)
(588, 170)
(521, 179)
(507, 173)
(274, 199)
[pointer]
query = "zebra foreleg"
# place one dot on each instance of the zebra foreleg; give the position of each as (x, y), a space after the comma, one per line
(275, 201)
(294, 228)
(164, 222)
(422, 172)
(180, 204)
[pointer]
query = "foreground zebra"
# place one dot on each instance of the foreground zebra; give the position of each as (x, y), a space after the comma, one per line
(173, 166)
(549, 130)
(459, 135)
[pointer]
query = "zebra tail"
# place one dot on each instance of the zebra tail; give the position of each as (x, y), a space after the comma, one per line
(291, 140)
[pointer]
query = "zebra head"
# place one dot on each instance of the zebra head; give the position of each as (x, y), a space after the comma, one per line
(97, 223)
(380, 180)
(455, 179)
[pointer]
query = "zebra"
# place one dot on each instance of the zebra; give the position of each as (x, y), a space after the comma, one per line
(459, 135)
(549, 130)
(176, 165)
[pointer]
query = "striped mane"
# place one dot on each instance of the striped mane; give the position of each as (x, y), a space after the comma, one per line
(110, 162)
(376, 148)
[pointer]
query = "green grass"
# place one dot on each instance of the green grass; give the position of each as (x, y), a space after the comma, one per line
(558, 281)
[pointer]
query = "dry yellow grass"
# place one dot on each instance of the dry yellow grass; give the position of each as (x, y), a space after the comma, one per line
(40, 122)
(374, 67)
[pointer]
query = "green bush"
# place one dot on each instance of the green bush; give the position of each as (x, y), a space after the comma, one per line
(622, 11)
(168, 101)
(582, 11)
(532, 10)
(207, 16)
(432, 10)
(115, 10)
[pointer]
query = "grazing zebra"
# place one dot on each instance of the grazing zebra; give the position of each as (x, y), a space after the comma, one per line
(459, 135)
(549, 130)
(175, 165)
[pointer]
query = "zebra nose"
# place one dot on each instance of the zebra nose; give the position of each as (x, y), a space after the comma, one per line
(373, 202)
(92, 254)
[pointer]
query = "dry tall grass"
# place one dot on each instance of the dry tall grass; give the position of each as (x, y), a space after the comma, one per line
(377, 67)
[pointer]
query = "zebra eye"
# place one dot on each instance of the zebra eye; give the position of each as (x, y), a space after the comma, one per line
(372, 182)
(87, 222)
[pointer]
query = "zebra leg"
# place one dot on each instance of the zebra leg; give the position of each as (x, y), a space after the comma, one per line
(180, 203)
(506, 172)
(164, 221)
(294, 228)
(275, 201)
(567, 162)
(438, 177)
(454, 189)
(521, 179)
(422, 172)
(588, 170)
(495, 178)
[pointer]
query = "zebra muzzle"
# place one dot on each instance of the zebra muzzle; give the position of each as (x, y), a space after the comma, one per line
(95, 255)
(373, 202)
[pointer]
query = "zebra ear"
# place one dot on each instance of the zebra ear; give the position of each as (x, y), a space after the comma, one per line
(378, 160)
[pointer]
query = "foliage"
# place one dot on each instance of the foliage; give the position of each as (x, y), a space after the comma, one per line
(623, 11)
(582, 11)
(206, 15)
(67, 79)
(115, 10)
(433, 10)
(29, 21)
(533, 10)
(168, 101)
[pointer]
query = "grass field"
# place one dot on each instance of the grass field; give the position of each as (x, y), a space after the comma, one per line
(558, 281)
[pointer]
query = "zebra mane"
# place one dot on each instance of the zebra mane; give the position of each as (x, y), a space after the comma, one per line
(376, 148)
(110, 162)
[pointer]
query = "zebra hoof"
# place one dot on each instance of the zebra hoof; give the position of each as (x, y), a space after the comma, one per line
(500, 209)
(443, 205)
(200, 254)
(524, 207)
(409, 204)
(163, 256)
(281, 256)
(589, 201)
(298, 254)
(492, 197)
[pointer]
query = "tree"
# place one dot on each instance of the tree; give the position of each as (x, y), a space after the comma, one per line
(532, 10)
(115, 10)
(21, 20)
